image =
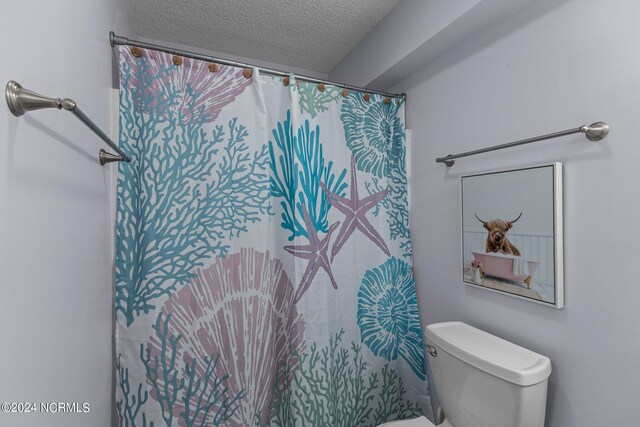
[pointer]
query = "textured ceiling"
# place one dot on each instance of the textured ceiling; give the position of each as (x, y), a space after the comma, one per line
(311, 34)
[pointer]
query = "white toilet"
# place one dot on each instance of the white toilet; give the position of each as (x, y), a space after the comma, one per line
(482, 380)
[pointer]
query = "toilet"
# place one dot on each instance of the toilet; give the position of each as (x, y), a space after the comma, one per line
(482, 380)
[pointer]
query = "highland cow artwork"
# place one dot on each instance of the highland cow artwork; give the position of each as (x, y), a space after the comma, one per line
(512, 232)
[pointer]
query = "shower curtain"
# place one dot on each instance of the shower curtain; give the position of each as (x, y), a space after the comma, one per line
(263, 267)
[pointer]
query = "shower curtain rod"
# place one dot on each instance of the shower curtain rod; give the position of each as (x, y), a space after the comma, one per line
(116, 40)
(595, 132)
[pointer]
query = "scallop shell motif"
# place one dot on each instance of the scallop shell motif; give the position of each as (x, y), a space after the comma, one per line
(388, 314)
(374, 134)
(242, 309)
(187, 93)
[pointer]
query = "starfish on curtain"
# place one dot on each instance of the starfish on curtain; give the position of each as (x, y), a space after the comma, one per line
(315, 252)
(355, 212)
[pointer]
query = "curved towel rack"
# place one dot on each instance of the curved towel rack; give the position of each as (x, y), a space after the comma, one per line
(21, 100)
(595, 132)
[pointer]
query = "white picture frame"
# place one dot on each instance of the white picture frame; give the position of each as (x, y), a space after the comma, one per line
(512, 232)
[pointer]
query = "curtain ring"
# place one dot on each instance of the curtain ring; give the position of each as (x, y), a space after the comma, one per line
(136, 51)
(213, 67)
(366, 96)
(344, 92)
(176, 59)
(321, 87)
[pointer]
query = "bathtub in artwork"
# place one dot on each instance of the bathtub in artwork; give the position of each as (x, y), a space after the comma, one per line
(501, 265)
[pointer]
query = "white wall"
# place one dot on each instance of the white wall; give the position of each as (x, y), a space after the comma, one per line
(55, 234)
(413, 22)
(553, 65)
(414, 33)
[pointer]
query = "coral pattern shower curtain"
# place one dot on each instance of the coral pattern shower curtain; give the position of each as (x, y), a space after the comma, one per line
(263, 272)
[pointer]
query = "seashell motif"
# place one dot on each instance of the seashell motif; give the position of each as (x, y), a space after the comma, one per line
(240, 308)
(187, 93)
(213, 67)
(177, 60)
(247, 73)
(388, 314)
(374, 134)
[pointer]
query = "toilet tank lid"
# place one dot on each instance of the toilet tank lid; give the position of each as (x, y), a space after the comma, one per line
(490, 353)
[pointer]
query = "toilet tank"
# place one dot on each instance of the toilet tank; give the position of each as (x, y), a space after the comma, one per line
(484, 381)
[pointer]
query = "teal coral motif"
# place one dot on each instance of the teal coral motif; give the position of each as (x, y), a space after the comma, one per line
(388, 314)
(188, 189)
(374, 133)
(298, 167)
(335, 386)
(396, 204)
(314, 101)
(179, 200)
(130, 403)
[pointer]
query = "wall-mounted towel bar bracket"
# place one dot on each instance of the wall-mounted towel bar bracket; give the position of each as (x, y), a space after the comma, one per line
(21, 100)
(595, 132)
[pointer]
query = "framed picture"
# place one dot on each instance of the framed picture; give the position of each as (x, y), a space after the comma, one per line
(512, 233)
